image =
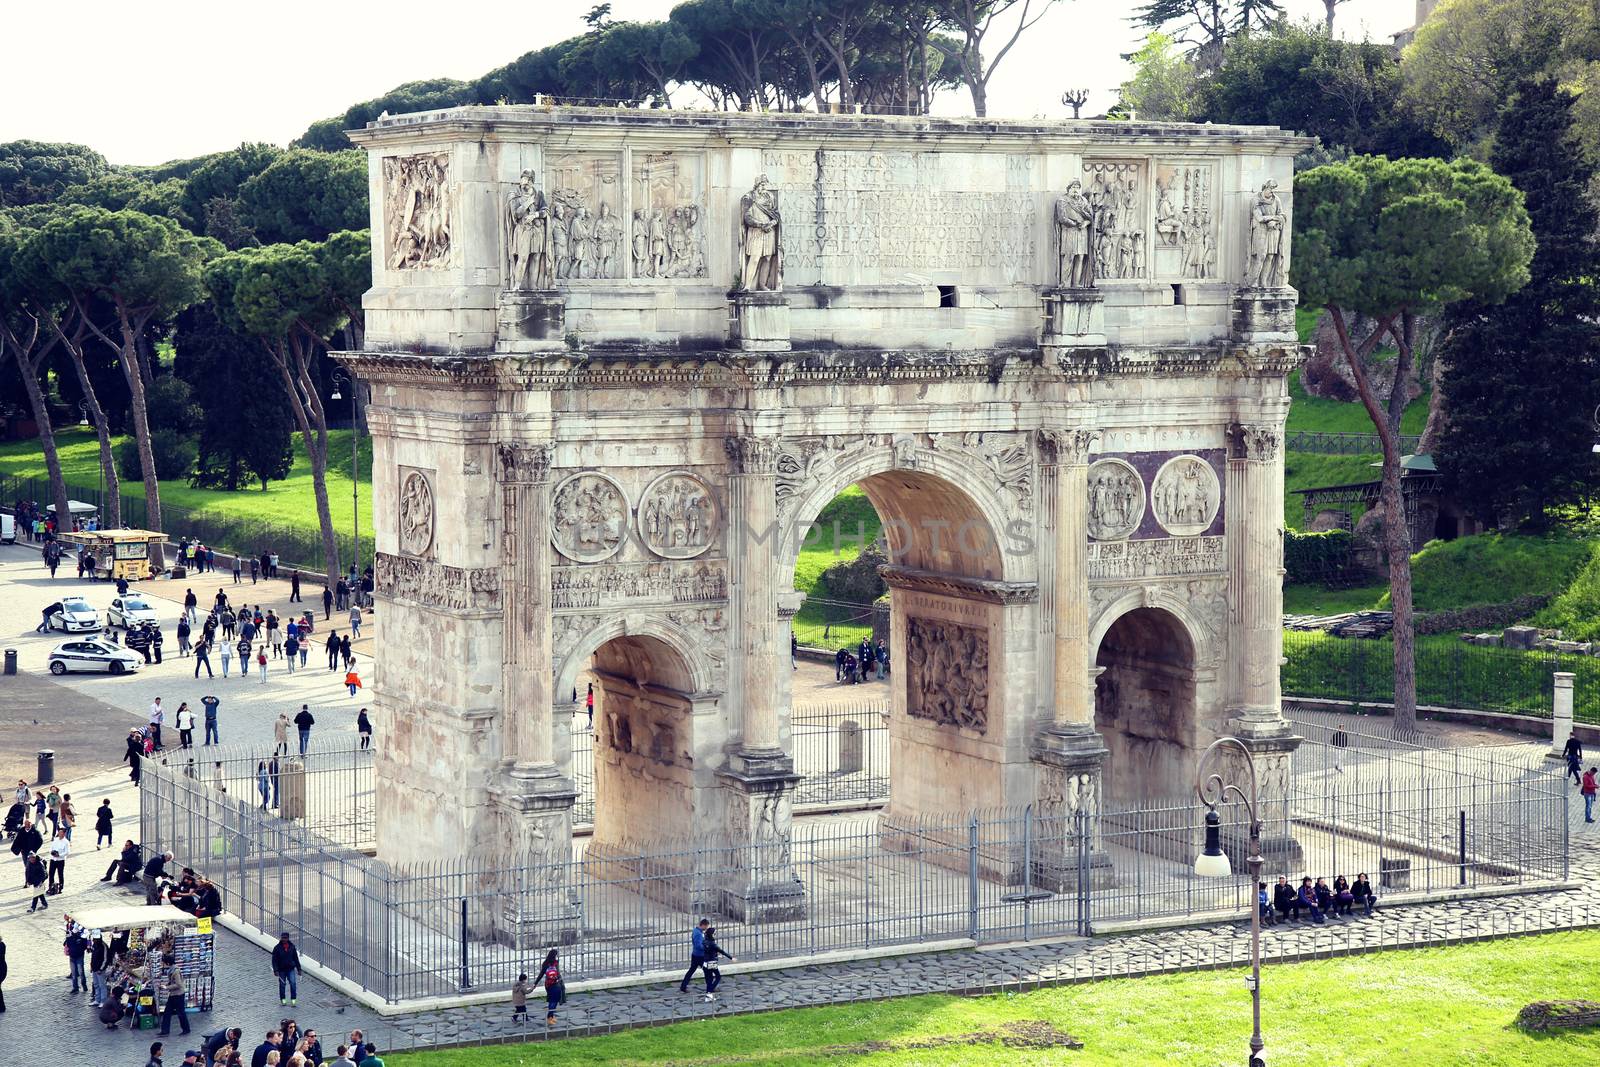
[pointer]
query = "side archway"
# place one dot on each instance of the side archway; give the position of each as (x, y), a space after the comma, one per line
(1146, 701)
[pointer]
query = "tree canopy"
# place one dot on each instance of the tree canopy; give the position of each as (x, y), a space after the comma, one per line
(33, 172)
(305, 195)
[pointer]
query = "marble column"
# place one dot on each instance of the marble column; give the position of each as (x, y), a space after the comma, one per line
(1069, 748)
(1255, 631)
(759, 779)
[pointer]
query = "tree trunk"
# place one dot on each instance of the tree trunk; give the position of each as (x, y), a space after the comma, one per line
(111, 498)
(1328, 18)
(1438, 405)
(28, 367)
(292, 358)
(131, 323)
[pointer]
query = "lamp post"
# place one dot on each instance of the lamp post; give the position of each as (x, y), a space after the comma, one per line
(341, 378)
(1213, 862)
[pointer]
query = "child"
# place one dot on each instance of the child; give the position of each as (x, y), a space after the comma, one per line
(352, 680)
(519, 999)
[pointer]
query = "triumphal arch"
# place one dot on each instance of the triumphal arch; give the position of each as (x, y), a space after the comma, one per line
(619, 360)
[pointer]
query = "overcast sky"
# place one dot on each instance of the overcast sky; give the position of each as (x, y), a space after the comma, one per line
(166, 79)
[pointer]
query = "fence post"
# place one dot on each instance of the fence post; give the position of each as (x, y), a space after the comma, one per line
(466, 975)
(972, 877)
(1463, 845)
(1081, 829)
(1561, 715)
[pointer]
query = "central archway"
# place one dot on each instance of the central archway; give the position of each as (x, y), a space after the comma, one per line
(1145, 706)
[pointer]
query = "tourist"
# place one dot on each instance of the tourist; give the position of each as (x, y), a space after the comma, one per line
(344, 1059)
(210, 703)
(185, 719)
(230, 623)
(358, 1046)
(244, 657)
(1264, 905)
(554, 988)
(1343, 899)
(274, 636)
(713, 972)
(75, 946)
(102, 824)
(305, 645)
(68, 815)
(1285, 899)
(202, 658)
(258, 1058)
(134, 755)
(294, 586)
(882, 656)
(838, 664)
(1325, 899)
(237, 570)
(158, 715)
(311, 1045)
(352, 680)
(1587, 788)
(27, 842)
(280, 735)
(99, 956)
(190, 603)
(1573, 753)
(4, 970)
(261, 663)
(519, 999)
(344, 651)
(255, 570)
(291, 1034)
(697, 952)
(372, 1059)
(364, 728)
(184, 630)
(588, 704)
(286, 965)
(341, 594)
(1308, 901)
(327, 602)
(155, 1055)
(33, 877)
(227, 1037)
(333, 648)
(172, 987)
(263, 784)
(304, 722)
(794, 652)
(126, 866)
(291, 648)
(58, 862)
(355, 622)
(1362, 894)
(226, 652)
(154, 871)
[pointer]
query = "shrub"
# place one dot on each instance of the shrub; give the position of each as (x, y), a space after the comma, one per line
(174, 454)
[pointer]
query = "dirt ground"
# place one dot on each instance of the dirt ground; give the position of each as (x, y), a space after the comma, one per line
(37, 713)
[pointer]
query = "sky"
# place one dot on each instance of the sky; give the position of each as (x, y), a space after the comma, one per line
(168, 79)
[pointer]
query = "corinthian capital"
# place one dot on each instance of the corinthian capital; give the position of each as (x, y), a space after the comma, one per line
(752, 455)
(1066, 447)
(1260, 443)
(524, 463)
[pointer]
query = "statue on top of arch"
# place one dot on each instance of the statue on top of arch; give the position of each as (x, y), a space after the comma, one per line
(760, 239)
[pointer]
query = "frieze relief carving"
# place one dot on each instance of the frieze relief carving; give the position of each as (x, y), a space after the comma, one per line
(1118, 203)
(1185, 495)
(1008, 458)
(666, 239)
(801, 461)
(565, 632)
(588, 517)
(1173, 557)
(437, 585)
(1208, 607)
(678, 516)
(1116, 500)
(1186, 237)
(585, 230)
(416, 211)
(949, 680)
(624, 583)
(416, 519)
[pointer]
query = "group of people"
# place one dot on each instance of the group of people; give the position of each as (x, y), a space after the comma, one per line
(258, 635)
(1316, 898)
(44, 870)
(285, 1045)
(1587, 780)
(34, 522)
(857, 665)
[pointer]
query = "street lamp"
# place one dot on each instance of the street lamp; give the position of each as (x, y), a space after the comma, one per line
(341, 378)
(1213, 862)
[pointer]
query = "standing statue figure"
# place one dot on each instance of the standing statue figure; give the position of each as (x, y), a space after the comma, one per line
(641, 244)
(527, 236)
(559, 239)
(760, 230)
(1266, 239)
(1074, 236)
(607, 240)
(580, 245)
(658, 244)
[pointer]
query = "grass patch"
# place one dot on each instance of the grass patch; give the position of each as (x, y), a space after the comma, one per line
(1494, 568)
(842, 529)
(1317, 414)
(1576, 610)
(1430, 1008)
(1310, 470)
(1319, 600)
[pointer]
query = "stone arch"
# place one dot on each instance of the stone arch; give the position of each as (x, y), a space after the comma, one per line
(1146, 698)
(703, 675)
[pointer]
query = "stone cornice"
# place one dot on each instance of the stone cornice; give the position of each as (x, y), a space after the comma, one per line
(952, 585)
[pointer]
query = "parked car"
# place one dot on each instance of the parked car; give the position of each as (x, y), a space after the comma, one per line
(8, 529)
(93, 656)
(73, 614)
(131, 611)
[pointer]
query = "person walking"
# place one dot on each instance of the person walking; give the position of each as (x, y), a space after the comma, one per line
(172, 986)
(69, 815)
(1587, 788)
(291, 649)
(58, 862)
(75, 946)
(294, 586)
(344, 651)
(184, 630)
(190, 603)
(555, 990)
(33, 877)
(280, 735)
(52, 802)
(364, 728)
(237, 570)
(274, 634)
(255, 570)
(327, 602)
(134, 755)
(263, 784)
(519, 999)
(226, 652)
(202, 658)
(1573, 753)
(286, 965)
(158, 715)
(713, 972)
(261, 663)
(4, 970)
(588, 705)
(304, 722)
(352, 680)
(102, 823)
(185, 719)
(697, 953)
(333, 647)
(211, 703)
(99, 954)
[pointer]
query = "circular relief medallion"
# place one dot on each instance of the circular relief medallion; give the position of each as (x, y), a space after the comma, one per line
(1116, 500)
(416, 514)
(1185, 496)
(588, 517)
(678, 516)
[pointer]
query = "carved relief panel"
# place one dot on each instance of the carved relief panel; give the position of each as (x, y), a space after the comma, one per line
(666, 236)
(1117, 197)
(678, 516)
(1185, 227)
(416, 518)
(587, 234)
(417, 215)
(1116, 500)
(1185, 495)
(588, 517)
(949, 679)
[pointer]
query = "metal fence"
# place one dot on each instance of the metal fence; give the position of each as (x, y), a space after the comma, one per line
(854, 882)
(1450, 674)
(1343, 443)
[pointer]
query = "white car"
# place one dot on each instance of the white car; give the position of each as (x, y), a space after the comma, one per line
(93, 656)
(131, 610)
(73, 615)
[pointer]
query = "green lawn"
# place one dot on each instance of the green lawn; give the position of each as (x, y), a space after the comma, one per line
(1312, 413)
(1310, 470)
(288, 504)
(842, 529)
(1432, 1008)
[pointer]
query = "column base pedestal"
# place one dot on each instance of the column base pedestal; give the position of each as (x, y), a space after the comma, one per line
(1074, 318)
(531, 320)
(1071, 776)
(1264, 316)
(758, 321)
(538, 906)
(1271, 741)
(762, 885)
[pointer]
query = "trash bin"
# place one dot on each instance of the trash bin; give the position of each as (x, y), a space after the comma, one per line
(11, 661)
(47, 767)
